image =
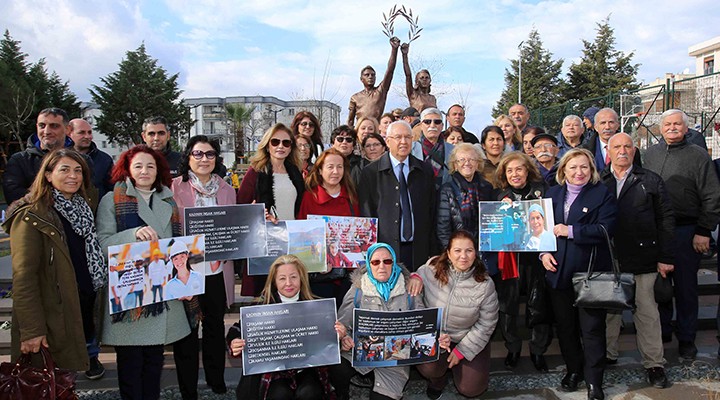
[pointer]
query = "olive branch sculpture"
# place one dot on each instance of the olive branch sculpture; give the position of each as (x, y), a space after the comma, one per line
(388, 22)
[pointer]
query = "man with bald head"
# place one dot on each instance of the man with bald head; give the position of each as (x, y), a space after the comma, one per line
(82, 135)
(644, 246)
(694, 192)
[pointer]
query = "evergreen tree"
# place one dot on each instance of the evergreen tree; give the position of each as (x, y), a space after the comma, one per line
(602, 69)
(239, 115)
(137, 90)
(541, 81)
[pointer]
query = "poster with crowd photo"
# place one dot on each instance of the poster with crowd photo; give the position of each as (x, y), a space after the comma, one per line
(302, 238)
(517, 226)
(231, 232)
(286, 336)
(143, 273)
(348, 239)
(391, 338)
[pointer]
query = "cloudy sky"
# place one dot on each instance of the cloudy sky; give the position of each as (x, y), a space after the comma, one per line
(282, 48)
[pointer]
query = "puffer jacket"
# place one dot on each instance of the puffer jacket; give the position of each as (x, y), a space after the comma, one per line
(470, 308)
(449, 218)
(389, 381)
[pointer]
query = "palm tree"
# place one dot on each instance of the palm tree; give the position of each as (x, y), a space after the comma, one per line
(239, 115)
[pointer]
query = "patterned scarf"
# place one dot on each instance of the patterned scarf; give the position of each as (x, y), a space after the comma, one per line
(78, 213)
(469, 198)
(433, 153)
(205, 193)
(127, 217)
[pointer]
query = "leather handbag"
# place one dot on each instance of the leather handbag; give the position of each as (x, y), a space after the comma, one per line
(663, 289)
(22, 381)
(607, 290)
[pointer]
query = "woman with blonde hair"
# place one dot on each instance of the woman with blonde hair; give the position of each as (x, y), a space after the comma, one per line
(364, 126)
(513, 140)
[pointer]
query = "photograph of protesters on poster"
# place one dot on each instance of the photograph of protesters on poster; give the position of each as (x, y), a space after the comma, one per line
(370, 348)
(143, 273)
(517, 226)
(348, 239)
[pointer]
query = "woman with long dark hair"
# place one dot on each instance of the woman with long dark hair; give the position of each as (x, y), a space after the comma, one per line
(306, 124)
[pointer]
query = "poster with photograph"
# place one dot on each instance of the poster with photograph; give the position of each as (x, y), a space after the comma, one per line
(231, 232)
(391, 338)
(286, 336)
(143, 273)
(302, 238)
(347, 239)
(517, 226)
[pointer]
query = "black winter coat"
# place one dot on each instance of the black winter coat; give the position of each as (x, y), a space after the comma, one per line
(449, 218)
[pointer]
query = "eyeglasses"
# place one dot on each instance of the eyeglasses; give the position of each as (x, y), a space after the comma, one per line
(307, 124)
(198, 154)
(462, 161)
(400, 138)
(275, 142)
(434, 121)
(387, 261)
(346, 139)
(303, 146)
(544, 146)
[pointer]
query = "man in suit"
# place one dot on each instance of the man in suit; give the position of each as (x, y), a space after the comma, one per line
(399, 190)
(607, 123)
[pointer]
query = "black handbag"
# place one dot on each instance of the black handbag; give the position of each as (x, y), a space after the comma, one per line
(608, 290)
(663, 289)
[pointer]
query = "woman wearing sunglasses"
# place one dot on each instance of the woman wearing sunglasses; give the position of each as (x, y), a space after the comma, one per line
(274, 179)
(200, 185)
(380, 286)
(343, 138)
(307, 125)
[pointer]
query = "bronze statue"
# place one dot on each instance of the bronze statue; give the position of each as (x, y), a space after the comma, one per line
(370, 102)
(419, 95)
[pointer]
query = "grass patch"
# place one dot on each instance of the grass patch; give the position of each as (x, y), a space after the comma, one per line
(5, 252)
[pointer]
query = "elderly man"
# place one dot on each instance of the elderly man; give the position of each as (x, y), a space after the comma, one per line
(694, 192)
(571, 134)
(607, 124)
(431, 148)
(456, 118)
(521, 115)
(156, 135)
(370, 102)
(82, 135)
(52, 129)
(644, 246)
(545, 151)
(399, 190)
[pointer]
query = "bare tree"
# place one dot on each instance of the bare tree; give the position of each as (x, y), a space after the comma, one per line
(21, 108)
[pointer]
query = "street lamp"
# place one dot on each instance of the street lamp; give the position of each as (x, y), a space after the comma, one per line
(520, 73)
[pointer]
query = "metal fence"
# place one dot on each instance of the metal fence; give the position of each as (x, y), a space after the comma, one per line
(640, 109)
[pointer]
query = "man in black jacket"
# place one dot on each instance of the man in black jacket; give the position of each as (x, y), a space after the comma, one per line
(81, 134)
(405, 223)
(644, 245)
(52, 129)
(694, 192)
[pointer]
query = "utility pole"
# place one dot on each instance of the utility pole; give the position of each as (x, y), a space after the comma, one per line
(520, 73)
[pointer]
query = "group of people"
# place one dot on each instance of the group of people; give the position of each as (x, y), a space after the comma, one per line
(424, 190)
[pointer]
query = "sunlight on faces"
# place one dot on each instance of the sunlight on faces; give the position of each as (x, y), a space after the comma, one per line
(51, 131)
(343, 145)
(203, 167)
(306, 127)
(462, 253)
(66, 177)
(280, 152)
(399, 141)
(304, 147)
(456, 116)
(382, 271)
(143, 170)
(367, 77)
(156, 136)
(527, 143)
(180, 261)
(545, 150)
(384, 122)
(572, 128)
(508, 129)
(577, 170)
(621, 150)
(516, 174)
(454, 138)
(606, 124)
(494, 144)
(81, 134)
(673, 128)
(366, 127)
(466, 164)
(373, 149)
(287, 280)
(332, 171)
(520, 115)
(432, 130)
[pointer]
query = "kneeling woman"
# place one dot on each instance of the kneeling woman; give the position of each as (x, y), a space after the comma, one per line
(457, 282)
(287, 282)
(380, 286)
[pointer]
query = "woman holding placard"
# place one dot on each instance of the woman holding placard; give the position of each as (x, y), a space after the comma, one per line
(287, 282)
(457, 281)
(141, 208)
(200, 185)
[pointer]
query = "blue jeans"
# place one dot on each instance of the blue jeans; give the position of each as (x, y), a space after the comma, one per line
(155, 290)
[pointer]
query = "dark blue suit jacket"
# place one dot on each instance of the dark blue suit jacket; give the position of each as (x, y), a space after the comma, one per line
(594, 206)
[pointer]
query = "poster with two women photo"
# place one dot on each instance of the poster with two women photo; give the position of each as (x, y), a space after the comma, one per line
(143, 273)
(347, 239)
(517, 226)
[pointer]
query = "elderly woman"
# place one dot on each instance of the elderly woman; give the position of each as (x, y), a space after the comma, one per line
(306, 124)
(511, 132)
(274, 178)
(518, 179)
(373, 147)
(457, 282)
(418, 95)
(380, 286)
(459, 196)
(583, 206)
(330, 191)
(57, 266)
(364, 126)
(492, 142)
(287, 283)
(200, 185)
(141, 208)
(431, 148)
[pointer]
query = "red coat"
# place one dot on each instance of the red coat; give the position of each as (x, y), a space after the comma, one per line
(318, 202)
